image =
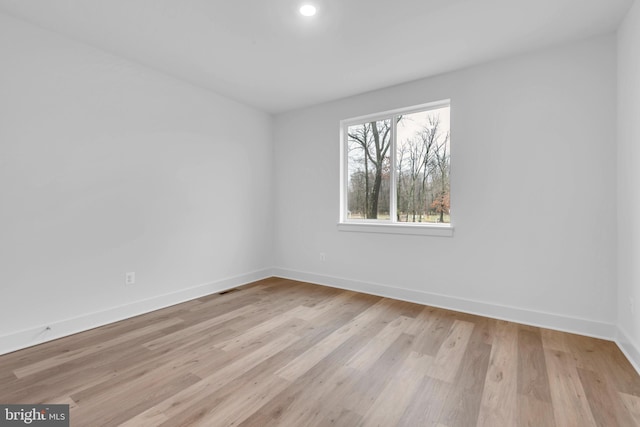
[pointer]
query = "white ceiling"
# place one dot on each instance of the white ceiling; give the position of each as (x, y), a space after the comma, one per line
(263, 53)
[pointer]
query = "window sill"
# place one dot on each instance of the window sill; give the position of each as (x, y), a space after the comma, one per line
(442, 230)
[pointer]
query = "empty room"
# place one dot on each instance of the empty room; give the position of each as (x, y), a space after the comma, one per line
(324, 213)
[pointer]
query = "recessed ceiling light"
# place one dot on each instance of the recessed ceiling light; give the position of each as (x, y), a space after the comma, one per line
(308, 10)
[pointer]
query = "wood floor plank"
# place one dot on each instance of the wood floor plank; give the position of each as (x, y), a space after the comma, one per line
(447, 361)
(325, 306)
(297, 405)
(285, 353)
(311, 357)
(74, 375)
(148, 418)
(570, 406)
(391, 404)
(177, 402)
(214, 398)
(534, 413)
(63, 400)
(621, 372)
(171, 339)
(421, 322)
(183, 363)
(430, 337)
(601, 398)
(254, 333)
(500, 395)
(66, 357)
(201, 355)
(371, 352)
(532, 370)
(222, 304)
(118, 408)
(463, 405)
(555, 340)
(88, 338)
(365, 391)
(339, 418)
(632, 404)
(427, 404)
(233, 411)
(330, 377)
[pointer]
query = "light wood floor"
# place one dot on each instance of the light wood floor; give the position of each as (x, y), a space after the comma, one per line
(285, 353)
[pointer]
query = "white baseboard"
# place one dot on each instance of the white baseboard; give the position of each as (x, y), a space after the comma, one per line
(513, 314)
(37, 335)
(62, 328)
(630, 348)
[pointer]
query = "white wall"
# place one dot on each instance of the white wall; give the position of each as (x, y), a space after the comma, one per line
(629, 184)
(108, 167)
(533, 193)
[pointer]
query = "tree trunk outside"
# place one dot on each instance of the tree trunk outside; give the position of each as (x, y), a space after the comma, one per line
(373, 213)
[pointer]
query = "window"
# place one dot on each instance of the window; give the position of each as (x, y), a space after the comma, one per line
(396, 171)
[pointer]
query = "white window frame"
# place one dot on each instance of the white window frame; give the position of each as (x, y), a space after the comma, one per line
(391, 226)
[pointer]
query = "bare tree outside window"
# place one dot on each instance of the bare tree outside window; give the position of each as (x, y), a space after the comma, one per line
(423, 164)
(407, 155)
(369, 169)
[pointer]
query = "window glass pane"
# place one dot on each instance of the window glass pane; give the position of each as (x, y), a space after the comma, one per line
(369, 170)
(422, 167)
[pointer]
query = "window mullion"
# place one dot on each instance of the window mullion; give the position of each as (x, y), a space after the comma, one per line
(392, 181)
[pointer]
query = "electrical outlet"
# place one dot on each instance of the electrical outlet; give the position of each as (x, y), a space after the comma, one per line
(323, 258)
(130, 278)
